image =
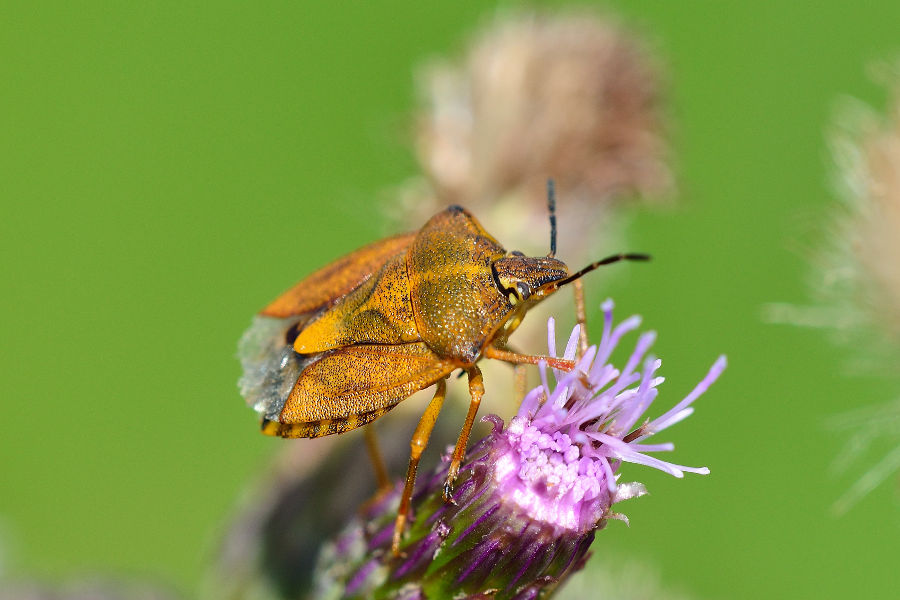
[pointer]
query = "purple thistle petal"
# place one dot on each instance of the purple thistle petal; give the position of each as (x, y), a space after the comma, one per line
(667, 447)
(667, 419)
(531, 403)
(542, 368)
(572, 346)
(551, 336)
(608, 474)
(644, 396)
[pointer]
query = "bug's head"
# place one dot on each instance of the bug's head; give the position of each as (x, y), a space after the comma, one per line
(527, 279)
(530, 279)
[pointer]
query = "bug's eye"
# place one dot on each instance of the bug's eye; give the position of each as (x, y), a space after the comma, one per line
(524, 290)
(519, 293)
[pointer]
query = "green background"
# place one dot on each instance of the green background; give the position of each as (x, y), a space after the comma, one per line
(168, 168)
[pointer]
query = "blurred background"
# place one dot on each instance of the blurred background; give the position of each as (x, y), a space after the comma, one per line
(166, 170)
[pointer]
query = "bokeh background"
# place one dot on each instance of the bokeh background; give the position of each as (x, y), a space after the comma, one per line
(166, 169)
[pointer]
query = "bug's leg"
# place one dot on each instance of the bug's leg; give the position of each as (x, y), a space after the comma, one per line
(520, 382)
(381, 473)
(476, 391)
(417, 446)
(580, 316)
(527, 359)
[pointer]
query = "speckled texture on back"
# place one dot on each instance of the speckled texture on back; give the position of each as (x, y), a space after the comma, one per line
(456, 303)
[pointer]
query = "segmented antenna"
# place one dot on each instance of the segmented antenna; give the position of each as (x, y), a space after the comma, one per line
(551, 207)
(606, 261)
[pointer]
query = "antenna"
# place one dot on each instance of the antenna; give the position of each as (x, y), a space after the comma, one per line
(606, 261)
(551, 207)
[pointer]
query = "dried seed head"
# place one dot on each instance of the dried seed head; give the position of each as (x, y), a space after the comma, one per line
(868, 249)
(861, 280)
(571, 97)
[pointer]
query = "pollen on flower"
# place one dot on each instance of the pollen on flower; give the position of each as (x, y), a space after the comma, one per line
(559, 456)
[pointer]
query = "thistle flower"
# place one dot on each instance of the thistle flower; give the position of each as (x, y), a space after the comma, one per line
(530, 496)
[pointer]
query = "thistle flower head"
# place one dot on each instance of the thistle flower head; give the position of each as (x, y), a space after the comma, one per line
(530, 495)
(567, 444)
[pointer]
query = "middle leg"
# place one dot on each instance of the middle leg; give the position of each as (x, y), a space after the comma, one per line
(580, 316)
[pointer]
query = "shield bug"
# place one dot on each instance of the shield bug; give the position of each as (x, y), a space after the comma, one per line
(353, 339)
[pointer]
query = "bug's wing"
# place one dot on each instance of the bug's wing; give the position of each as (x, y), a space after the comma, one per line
(351, 386)
(378, 311)
(327, 285)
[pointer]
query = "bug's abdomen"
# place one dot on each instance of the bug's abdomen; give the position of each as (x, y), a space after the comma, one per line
(316, 429)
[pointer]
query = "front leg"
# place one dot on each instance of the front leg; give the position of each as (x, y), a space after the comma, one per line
(528, 359)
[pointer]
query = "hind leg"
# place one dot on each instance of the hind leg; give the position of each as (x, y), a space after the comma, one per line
(417, 447)
(378, 464)
(476, 391)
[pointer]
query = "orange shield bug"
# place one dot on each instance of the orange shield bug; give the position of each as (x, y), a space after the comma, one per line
(352, 340)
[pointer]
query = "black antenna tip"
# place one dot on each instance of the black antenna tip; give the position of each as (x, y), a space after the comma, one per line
(625, 256)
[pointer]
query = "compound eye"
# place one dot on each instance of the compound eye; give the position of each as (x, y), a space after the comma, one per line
(519, 293)
(523, 289)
